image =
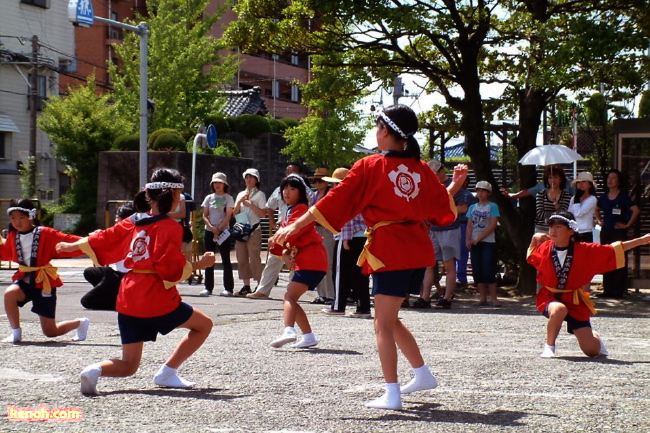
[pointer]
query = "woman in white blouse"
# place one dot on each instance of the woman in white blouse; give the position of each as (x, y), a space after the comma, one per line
(250, 207)
(583, 204)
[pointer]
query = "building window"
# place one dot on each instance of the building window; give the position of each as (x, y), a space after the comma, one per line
(2, 145)
(39, 3)
(295, 93)
(41, 94)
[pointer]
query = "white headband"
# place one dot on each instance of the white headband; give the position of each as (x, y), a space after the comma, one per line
(293, 175)
(395, 128)
(163, 185)
(30, 212)
(572, 224)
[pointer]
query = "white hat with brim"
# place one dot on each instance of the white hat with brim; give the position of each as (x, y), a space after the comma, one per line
(584, 176)
(252, 172)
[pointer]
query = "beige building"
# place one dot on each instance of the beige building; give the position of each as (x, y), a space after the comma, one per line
(34, 35)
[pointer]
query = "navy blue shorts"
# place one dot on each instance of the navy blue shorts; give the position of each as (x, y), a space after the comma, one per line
(398, 283)
(139, 329)
(43, 306)
(571, 323)
(309, 278)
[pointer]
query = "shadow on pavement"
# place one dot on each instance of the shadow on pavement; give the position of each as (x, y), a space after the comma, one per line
(198, 393)
(428, 412)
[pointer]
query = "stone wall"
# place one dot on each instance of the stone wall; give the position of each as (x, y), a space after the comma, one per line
(118, 175)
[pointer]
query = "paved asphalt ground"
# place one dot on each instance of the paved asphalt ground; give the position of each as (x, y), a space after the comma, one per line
(486, 359)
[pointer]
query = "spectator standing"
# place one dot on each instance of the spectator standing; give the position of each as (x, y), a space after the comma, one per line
(553, 198)
(616, 213)
(348, 276)
(461, 263)
(446, 241)
(250, 207)
(483, 218)
(218, 208)
(583, 205)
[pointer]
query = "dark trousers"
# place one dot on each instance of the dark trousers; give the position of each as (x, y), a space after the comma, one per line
(224, 252)
(614, 282)
(348, 276)
(106, 284)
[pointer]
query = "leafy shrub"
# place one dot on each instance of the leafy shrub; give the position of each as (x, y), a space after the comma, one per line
(154, 135)
(226, 148)
(252, 125)
(168, 141)
(290, 122)
(219, 122)
(277, 126)
(127, 142)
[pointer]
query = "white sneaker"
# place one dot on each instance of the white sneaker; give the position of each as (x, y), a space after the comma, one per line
(288, 336)
(204, 293)
(15, 337)
(549, 351)
(89, 377)
(307, 340)
(226, 293)
(82, 330)
(168, 378)
(420, 382)
(390, 401)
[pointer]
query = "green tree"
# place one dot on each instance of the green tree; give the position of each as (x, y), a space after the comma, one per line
(185, 64)
(80, 126)
(536, 49)
(334, 126)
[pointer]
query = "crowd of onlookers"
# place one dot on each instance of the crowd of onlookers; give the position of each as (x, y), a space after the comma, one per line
(469, 239)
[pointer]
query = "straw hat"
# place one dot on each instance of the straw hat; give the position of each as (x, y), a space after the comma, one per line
(338, 175)
(219, 177)
(484, 185)
(320, 173)
(584, 176)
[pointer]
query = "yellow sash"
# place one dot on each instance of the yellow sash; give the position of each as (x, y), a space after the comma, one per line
(43, 275)
(578, 295)
(168, 284)
(366, 255)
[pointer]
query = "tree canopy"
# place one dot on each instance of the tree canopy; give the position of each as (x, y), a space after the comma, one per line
(185, 64)
(536, 50)
(81, 125)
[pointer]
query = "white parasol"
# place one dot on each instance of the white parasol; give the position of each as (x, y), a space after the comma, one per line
(550, 154)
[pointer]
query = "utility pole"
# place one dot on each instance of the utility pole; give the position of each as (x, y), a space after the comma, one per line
(33, 109)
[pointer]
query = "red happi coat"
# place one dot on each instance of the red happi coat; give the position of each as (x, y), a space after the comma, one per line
(152, 247)
(46, 251)
(385, 188)
(311, 254)
(588, 260)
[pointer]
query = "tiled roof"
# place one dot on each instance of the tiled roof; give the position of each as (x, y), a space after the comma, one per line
(458, 151)
(244, 102)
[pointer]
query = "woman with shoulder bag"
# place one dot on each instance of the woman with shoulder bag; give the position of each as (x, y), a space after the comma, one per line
(217, 211)
(250, 207)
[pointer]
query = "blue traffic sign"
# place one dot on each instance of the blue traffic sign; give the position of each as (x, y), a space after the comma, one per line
(211, 136)
(81, 12)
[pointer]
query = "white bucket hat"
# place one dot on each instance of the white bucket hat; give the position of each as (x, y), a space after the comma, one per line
(252, 172)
